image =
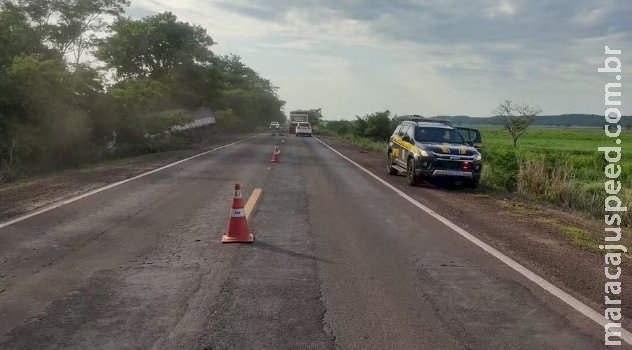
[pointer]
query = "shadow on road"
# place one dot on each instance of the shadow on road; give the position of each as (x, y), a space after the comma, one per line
(276, 249)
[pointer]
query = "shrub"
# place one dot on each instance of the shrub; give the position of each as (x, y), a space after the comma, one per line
(549, 181)
(501, 169)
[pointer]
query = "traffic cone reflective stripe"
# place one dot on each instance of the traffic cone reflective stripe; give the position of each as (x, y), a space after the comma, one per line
(238, 201)
(237, 229)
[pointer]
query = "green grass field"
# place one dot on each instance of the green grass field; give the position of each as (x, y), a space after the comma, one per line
(556, 139)
(559, 165)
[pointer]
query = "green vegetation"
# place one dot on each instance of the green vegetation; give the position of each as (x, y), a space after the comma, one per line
(59, 107)
(565, 120)
(371, 131)
(376, 127)
(558, 165)
(581, 238)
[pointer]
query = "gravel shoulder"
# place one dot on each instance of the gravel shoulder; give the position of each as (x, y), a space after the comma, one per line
(559, 245)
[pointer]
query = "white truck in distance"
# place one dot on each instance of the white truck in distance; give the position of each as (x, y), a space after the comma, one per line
(298, 117)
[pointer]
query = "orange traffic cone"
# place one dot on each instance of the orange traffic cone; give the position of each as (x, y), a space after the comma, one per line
(276, 155)
(237, 230)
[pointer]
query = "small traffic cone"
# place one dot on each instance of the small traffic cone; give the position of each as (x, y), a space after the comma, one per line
(237, 230)
(276, 155)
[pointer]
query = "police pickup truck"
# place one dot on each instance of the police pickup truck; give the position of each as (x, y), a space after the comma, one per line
(427, 149)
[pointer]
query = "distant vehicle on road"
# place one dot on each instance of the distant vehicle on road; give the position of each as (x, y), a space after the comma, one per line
(304, 129)
(427, 149)
(274, 125)
(297, 117)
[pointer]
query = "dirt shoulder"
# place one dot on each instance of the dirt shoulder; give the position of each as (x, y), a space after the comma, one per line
(558, 245)
(25, 196)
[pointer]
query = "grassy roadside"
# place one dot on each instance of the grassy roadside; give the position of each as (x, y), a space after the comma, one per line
(364, 142)
(557, 166)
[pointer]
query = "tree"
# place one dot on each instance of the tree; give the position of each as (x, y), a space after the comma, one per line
(38, 113)
(39, 13)
(17, 36)
(80, 21)
(250, 97)
(378, 125)
(153, 46)
(517, 118)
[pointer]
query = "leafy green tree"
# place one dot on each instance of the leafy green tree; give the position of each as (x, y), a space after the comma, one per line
(359, 127)
(17, 36)
(38, 112)
(80, 21)
(138, 95)
(40, 14)
(52, 116)
(250, 97)
(154, 46)
(378, 126)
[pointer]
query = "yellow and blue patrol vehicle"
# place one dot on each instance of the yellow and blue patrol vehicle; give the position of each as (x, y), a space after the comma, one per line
(428, 149)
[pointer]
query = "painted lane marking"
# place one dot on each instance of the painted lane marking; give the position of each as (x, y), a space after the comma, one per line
(101, 189)
(254, 197)
(541, 282)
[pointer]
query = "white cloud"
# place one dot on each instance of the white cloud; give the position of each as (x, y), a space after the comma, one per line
(427, 57)
(502, 8)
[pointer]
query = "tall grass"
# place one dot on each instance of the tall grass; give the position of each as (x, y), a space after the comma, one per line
(378, 146)
(570, 179)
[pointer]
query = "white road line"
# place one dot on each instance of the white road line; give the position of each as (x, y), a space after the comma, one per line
(101, 189)
(544, 284)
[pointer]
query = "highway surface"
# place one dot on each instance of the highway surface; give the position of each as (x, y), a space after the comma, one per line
(340, 261)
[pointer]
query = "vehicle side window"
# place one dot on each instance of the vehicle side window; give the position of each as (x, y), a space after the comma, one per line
(467, 134)
(411, 133)
(397, 130)
(403, 130)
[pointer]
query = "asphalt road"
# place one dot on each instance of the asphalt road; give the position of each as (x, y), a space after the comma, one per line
(339, 261)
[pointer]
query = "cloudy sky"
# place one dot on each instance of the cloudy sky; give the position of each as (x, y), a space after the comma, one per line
(429, 57)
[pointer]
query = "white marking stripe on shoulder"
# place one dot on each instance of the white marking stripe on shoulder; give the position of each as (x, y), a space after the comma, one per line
(90, 193)
(541, 282)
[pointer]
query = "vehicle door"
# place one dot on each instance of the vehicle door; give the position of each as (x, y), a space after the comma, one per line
(471, 136)
(400, 155)
(394, 143)
(408, 141)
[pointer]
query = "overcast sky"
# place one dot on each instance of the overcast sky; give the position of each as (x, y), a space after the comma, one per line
(439, 57)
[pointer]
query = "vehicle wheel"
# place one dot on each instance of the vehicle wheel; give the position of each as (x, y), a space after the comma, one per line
(410, 173)
(389, 164)
(474, 183)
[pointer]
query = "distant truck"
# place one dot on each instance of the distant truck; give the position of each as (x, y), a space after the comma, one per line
(298, 117)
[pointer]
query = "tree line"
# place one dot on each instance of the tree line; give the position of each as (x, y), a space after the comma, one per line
(378, 126)
(77, 75)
